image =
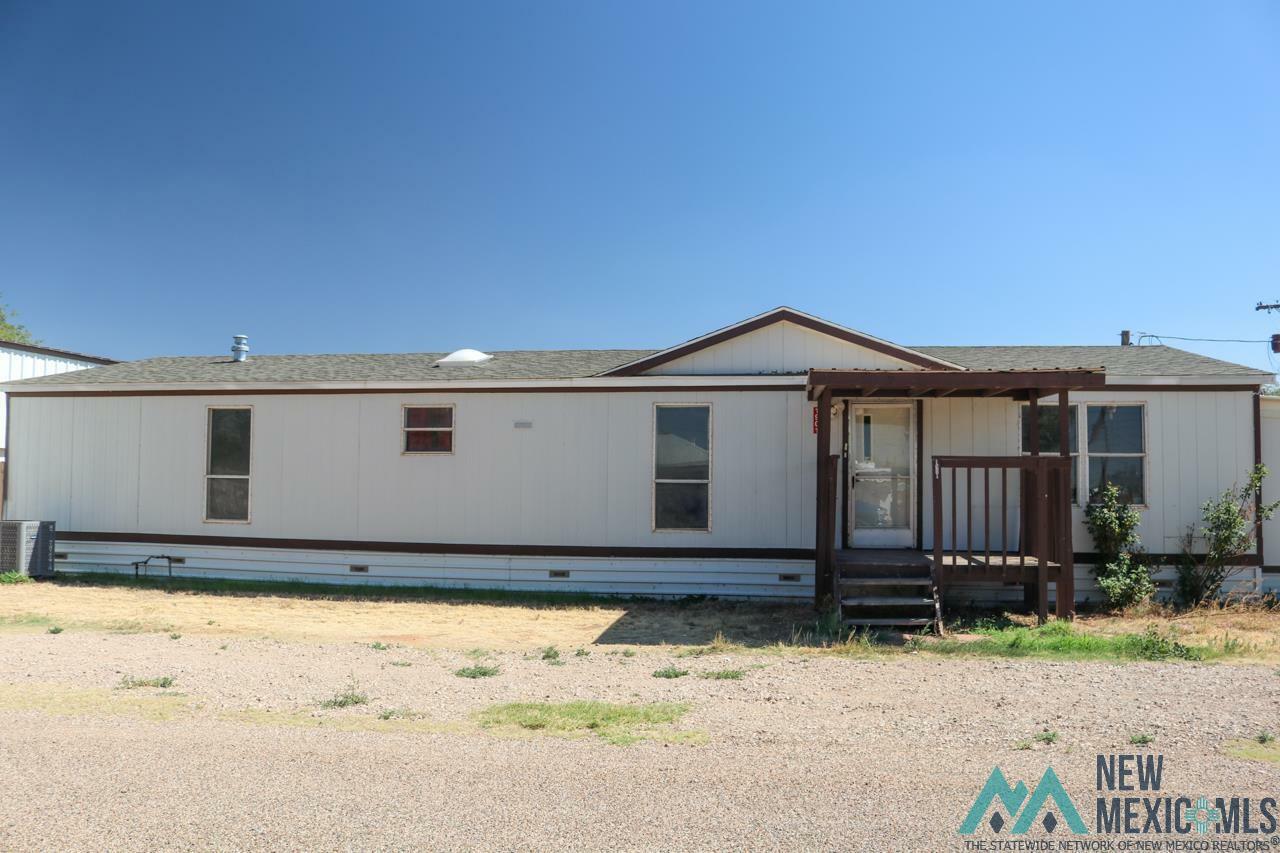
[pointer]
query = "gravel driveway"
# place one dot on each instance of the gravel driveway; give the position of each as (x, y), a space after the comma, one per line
(803, 752)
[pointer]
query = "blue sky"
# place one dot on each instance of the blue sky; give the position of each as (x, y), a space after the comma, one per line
(399, 176)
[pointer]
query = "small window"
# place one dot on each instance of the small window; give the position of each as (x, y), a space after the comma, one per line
(427, 429)
(1117, 450)
(227, 465)
(682, 467)
(1047, 438)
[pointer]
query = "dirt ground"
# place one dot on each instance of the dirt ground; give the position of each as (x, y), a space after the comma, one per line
(801, 751)
(440, 624)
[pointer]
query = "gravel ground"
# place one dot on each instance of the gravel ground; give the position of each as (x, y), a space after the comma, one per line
(804, 752)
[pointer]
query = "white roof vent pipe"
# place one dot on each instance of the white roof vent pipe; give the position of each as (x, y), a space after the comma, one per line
(240, 347)
(465, 356)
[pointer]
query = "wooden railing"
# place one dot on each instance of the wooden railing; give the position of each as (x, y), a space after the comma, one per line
(1037, 537)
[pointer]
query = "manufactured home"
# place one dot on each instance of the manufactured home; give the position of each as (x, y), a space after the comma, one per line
(784, 456)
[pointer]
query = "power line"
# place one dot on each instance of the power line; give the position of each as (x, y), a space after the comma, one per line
(1142, 335)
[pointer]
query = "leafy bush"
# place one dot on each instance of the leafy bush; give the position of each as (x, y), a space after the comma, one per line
(670, 672)
(14, 577)
(477, 671)
(1122, 573)
(1230, 529)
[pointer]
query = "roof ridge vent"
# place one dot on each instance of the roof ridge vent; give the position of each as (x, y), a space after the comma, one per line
(464, 356)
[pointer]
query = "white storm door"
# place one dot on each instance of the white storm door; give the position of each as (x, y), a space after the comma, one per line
(882, 475)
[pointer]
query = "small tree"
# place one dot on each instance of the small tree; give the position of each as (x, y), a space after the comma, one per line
(1230, 529)
(12, 330)
(1122, 573)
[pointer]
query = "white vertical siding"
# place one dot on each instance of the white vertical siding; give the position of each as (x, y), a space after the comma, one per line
(330, 467)
(778, 348)
(18, 364)
(1271, 485)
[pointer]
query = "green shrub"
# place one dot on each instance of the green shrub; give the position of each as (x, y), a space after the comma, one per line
(1122, 573)
(1230, 529)
(477, 671)
(14, 577)
(670, 672)
(345, 698)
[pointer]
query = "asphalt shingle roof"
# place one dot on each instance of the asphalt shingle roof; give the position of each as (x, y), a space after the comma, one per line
(1127, 361)
(577, 364)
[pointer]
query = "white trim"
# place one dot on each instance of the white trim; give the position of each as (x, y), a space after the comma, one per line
(208, 450)
(653, 467)
(1145, 455)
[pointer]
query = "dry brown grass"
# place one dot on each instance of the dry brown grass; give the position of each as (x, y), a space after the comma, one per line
(1252, 630)
(438, 624)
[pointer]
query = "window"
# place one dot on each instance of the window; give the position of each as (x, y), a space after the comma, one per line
(1048, 437)
(1117, 450)
(427, 429)
(682, 468)
(226, 481)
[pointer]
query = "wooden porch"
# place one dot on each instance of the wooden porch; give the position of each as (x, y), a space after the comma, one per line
(995, 519)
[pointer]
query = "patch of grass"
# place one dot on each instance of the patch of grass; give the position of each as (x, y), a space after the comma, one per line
(476, 671)
(581, 653)
(628, 653)
(55, 629)
(1046, 737)
(13, 577)
(478, 654)
(723, 674)
(670, 672)
(175, 636)
(398, 714)
(379, 646)
(400, 663)
(1022, 744)
(551, 653)
(223, 647)
(615, 723)
(719, 645)
(131, 683)
(346, 697)
(1062, 640)
(1141, 739)
(1255, 748)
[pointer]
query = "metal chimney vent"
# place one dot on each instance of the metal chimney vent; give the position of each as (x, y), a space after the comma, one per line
(240, 349)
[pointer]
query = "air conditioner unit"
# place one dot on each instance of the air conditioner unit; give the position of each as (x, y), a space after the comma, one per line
(26, 547)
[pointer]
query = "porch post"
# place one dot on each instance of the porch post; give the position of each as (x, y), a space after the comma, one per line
(1030, 596)
(822, 534)
(1066, 593)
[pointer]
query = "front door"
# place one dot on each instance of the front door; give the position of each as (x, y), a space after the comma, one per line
(882, 475)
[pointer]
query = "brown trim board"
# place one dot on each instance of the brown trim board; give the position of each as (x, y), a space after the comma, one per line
(1090, 558)
(536, 389)
(900, 353)
(469, 549)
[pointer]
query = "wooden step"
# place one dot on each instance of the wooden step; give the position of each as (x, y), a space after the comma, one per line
(888, 570)
(924, 581)
(904, 620)
(886, 601)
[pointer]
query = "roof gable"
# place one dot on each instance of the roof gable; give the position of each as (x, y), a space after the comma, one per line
(780, 341)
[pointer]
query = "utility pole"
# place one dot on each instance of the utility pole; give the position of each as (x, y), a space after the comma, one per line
(1267, 306)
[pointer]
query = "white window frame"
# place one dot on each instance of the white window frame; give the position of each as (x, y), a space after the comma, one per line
(1082, 431)
(452, 428)
(654, 480)
(1081, 477)
(208, 463)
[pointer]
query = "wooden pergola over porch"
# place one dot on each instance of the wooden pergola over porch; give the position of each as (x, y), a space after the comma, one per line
(1043, 551)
